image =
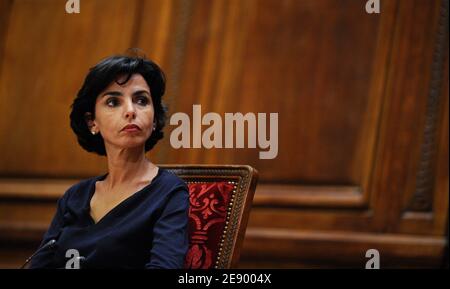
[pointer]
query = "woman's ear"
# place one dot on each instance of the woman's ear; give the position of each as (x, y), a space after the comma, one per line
(89, 118)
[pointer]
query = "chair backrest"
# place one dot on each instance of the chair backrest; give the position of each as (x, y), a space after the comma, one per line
(220, 199)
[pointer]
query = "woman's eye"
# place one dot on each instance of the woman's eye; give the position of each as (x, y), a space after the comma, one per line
(142, 100)
(111, 102)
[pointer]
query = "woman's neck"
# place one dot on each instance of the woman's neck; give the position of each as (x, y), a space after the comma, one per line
(127, 165)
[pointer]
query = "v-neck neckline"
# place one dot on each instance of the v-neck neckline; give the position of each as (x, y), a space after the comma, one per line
(120, 204)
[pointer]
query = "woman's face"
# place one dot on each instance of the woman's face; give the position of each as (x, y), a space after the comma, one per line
(124, 113)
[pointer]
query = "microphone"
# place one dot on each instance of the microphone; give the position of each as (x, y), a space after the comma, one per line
(49, 244)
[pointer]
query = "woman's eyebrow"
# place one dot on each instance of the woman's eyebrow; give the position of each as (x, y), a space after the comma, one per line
(118, 93)
(112, 93)
(141, 91)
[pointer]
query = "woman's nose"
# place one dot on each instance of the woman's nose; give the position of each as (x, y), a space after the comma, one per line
(130, 110)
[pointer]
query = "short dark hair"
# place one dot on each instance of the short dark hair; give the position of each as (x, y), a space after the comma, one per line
(98, 78)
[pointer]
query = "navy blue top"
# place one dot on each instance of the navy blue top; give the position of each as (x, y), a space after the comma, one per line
(146, 230)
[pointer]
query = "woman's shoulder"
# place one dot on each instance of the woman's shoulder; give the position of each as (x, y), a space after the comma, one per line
(167, 178)
(171, 189)
(80, 189)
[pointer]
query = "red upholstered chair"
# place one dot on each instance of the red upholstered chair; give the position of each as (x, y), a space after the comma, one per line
(220, 199)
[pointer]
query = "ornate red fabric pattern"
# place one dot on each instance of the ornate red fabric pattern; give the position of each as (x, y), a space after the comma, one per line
(207, 217)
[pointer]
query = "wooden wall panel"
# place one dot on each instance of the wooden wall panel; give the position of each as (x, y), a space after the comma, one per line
(279, 56)
(412, 96)
(5, 8)
(47, 53)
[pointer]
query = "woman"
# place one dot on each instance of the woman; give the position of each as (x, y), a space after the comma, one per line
(136, 215)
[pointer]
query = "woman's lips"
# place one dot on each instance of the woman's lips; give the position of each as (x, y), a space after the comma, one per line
(131, 128)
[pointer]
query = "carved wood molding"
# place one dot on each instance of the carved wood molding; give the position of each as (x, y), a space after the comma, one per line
(422, 198)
